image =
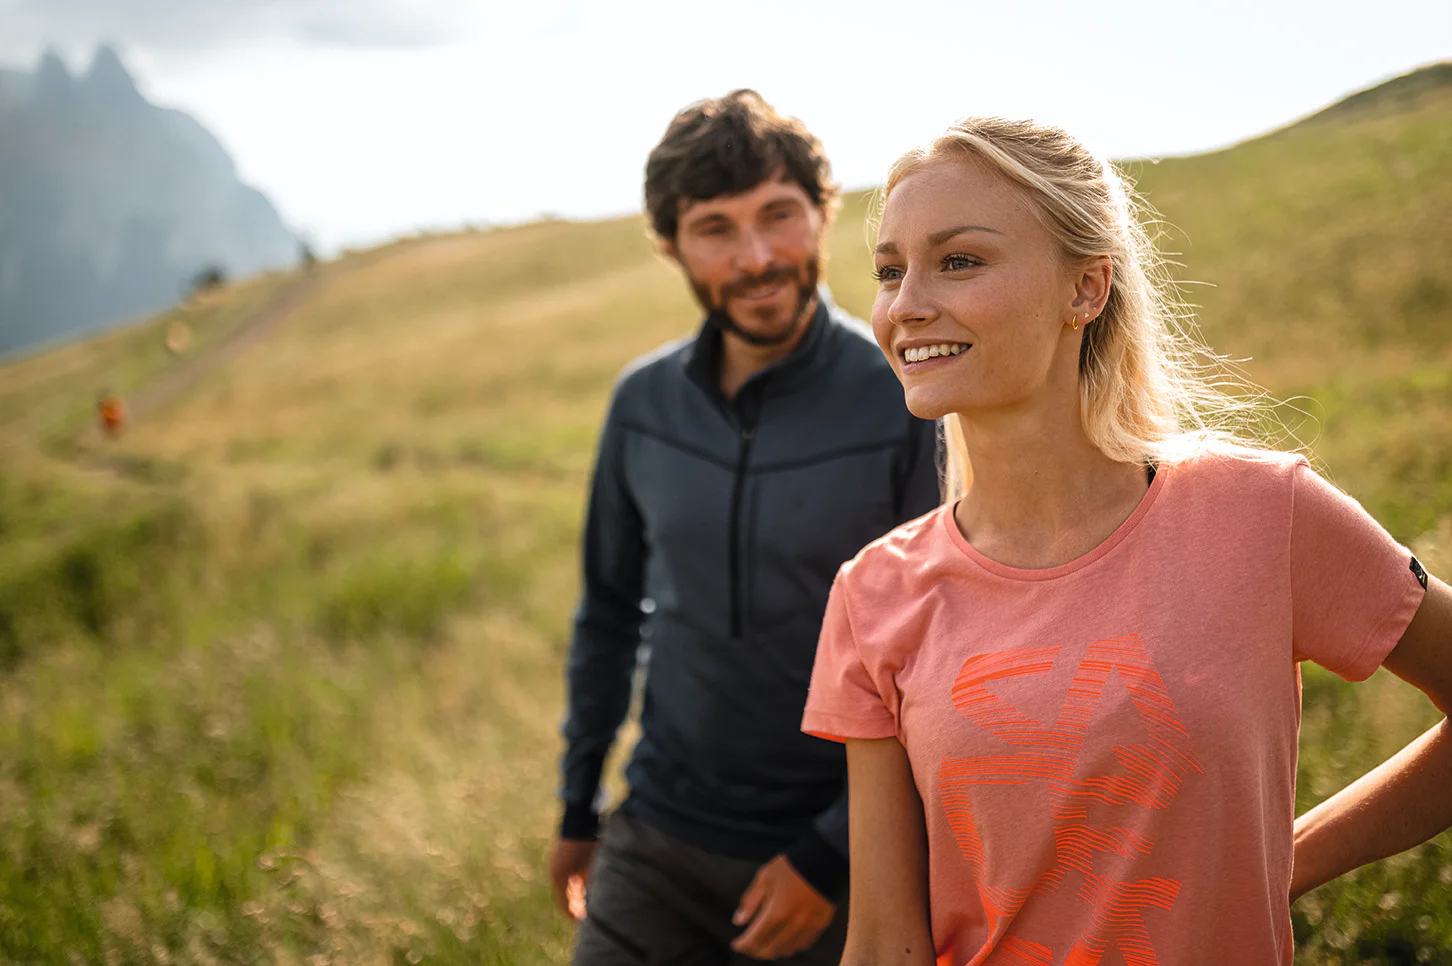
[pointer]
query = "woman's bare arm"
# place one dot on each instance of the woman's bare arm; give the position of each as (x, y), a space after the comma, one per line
(887, 922)
(1405, 800)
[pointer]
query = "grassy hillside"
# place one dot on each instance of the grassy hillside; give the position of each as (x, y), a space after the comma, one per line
(282, 667)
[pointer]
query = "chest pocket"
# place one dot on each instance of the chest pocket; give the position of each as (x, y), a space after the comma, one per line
(804, 521)
(684, 500)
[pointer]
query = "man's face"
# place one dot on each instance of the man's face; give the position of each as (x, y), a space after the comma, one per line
(752, 259)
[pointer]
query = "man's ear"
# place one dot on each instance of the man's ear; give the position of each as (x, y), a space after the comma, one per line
(824, 217)
(668, 249)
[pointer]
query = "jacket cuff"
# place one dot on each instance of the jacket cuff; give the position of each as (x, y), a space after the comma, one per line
(820, 864)
(581, 823)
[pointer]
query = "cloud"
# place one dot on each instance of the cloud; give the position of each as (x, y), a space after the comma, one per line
(169, 27)
(339, 25)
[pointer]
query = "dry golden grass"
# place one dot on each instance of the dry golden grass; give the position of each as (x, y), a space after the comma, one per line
(283, 665)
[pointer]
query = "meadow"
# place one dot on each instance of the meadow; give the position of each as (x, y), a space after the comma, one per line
(280, 669)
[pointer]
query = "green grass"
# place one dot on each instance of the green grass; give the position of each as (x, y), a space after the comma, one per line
(280, 671)
(49, 395)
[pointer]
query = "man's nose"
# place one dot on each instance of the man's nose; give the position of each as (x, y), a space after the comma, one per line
(753, 255)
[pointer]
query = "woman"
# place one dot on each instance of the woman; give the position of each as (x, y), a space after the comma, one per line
(1070, 696)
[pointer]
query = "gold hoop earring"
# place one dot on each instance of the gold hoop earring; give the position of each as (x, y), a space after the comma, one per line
(1075, 324)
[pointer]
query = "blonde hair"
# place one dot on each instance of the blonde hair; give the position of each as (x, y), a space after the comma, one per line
(1149, 389)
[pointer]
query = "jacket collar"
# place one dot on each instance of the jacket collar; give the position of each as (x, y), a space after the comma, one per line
(703, 358)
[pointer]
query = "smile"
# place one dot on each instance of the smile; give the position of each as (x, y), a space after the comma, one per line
(926, 352)
(763, 292)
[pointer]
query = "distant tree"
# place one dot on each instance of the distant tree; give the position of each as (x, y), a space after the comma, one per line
(209, 278)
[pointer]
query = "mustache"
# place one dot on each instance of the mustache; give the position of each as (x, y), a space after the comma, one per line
(738, 286)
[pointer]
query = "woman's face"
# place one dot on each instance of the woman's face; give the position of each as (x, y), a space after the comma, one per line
(973, 295)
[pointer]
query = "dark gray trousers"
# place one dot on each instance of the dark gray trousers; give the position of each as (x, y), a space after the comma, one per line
(653, 899)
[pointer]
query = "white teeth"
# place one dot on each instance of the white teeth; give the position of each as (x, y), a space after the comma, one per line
(924, 353)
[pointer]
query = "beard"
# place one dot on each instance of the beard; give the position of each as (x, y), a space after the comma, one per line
(720, 319)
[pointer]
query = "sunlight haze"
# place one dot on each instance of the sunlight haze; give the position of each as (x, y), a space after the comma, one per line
(366, 120)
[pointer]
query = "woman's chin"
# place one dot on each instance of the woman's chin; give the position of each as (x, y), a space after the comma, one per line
(928, 405)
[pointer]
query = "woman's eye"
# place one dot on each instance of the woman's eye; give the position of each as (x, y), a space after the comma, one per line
(887, 273)
(958, 263)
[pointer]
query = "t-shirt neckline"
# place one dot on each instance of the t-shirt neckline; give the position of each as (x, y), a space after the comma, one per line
(1162, 471)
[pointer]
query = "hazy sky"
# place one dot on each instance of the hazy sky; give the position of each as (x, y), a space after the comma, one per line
(365, 118)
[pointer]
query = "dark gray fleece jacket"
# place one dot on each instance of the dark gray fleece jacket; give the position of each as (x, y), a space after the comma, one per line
(713, 533)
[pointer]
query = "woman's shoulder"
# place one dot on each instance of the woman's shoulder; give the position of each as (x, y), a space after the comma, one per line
(901, 556)
(1235, 468)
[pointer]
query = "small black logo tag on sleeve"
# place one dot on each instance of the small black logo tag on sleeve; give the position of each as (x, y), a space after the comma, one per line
(1419, 572)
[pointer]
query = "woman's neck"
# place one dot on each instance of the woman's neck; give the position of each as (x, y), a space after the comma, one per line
(1042, 493)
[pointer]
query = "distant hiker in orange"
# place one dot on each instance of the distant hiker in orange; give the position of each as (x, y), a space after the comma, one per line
(112, 412)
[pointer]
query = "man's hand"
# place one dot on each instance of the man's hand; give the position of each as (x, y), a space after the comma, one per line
(785, 915)
(569, 869)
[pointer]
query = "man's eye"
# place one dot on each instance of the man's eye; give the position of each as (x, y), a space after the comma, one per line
(958, 263)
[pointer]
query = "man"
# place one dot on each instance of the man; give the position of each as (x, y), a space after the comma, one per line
(736, 471)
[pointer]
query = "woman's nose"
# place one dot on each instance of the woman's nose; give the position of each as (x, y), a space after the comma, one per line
(910, 303)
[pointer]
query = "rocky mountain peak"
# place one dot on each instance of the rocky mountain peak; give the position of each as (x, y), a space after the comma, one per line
(52, 77)
(109, 80)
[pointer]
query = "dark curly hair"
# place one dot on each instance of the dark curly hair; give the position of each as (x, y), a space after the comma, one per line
(727, 145)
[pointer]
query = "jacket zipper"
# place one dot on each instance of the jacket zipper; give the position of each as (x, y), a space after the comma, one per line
(734, 551)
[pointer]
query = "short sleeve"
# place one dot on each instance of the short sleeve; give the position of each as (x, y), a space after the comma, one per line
(843, 701)
(1354, 589)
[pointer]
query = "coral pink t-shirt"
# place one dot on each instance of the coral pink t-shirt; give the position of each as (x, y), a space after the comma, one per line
(1106, 750)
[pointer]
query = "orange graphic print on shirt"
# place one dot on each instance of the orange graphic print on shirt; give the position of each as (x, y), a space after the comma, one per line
(1148, 775)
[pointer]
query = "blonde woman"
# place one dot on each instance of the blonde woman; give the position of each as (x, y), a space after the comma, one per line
(1070, 696)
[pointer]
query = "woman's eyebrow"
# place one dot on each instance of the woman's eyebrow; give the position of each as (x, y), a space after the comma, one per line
(938, 237)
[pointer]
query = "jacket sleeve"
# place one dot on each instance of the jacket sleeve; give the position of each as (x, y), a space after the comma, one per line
(820, 855)
(602, 655)
(919, 477)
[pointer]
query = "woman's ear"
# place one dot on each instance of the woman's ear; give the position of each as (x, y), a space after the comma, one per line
(1091, 288)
